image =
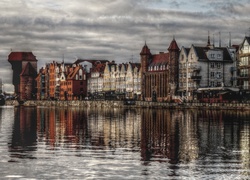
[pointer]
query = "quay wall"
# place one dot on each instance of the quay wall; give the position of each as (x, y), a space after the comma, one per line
(138, 104)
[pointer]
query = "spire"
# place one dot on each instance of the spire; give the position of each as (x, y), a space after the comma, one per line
(208, 39)
(173, 46)
(145, 50)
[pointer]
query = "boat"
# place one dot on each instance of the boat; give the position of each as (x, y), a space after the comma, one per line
(2, 100)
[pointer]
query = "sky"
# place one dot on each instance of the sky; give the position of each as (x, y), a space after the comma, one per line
(113, 29)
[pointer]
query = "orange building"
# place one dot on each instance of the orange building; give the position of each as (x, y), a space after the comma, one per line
(62, 81)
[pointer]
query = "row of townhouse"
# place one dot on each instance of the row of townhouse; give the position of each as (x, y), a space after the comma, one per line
(61, 81)
(115, 80)
(200, 72)
(66, 81)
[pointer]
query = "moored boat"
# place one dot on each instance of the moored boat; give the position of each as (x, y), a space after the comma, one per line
(2, 100)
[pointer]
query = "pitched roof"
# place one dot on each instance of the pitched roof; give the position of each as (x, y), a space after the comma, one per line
(22, 56)
(248, 39)
(28, 70)
(173, 46)
(157, 59)
(145, 50)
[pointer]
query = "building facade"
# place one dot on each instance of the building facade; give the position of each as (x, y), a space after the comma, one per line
(244, 66)
(207, 70)
(24, 66)
(159, 73)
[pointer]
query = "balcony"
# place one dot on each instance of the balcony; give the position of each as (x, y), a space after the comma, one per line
(233, 78)
(196, 77)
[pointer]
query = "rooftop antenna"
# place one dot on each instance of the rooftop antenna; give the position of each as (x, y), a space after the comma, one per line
(213, 39)
(229, 39)
(219, 40)
(208, 39)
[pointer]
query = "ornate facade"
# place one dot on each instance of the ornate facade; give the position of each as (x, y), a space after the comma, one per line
(159, 73)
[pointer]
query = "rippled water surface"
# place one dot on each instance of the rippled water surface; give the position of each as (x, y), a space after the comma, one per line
(64, 143)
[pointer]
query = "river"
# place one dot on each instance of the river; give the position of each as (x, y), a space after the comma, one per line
(77, 143)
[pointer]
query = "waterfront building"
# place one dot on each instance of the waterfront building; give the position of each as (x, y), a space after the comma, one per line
(159, 73)
(206, 71)
(133, 80)
(122, 80)
(244, 66)
(41, 84)
(62, 81)
(24, 66)
(73, 82)
(95, 79)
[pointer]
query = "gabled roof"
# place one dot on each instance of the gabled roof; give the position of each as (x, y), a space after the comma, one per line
(22, 56)
(201, 52)
(28, 70)
(247, 39)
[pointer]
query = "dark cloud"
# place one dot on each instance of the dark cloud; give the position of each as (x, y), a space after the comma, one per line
(113, 30)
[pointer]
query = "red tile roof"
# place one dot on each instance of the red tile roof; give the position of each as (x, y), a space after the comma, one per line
(22, 56)
(161, 58)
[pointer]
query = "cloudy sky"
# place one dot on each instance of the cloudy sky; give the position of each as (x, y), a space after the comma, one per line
(113, 29)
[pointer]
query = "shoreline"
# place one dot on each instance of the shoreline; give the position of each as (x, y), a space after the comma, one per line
(137, 104)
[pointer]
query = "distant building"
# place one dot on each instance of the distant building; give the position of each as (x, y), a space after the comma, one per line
(159, 73)
(62, 81)
(24, 66)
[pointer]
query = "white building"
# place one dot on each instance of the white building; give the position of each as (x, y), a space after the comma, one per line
(206, 68)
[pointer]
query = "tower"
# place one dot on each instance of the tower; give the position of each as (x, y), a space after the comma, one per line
(145, 60)
(174, 52)
(24, 66)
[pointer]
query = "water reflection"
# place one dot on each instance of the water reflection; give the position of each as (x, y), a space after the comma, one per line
(23, 141)
(200, 141)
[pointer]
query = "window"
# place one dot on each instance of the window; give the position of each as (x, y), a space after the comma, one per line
(212, 75)
(212, 56)
(218, 65)
(212, 84)
(212, 65)
(218, 75)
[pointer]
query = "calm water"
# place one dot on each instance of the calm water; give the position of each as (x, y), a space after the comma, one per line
(64, 143)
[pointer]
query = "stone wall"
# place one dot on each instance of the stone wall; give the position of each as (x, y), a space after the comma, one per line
(138, 104)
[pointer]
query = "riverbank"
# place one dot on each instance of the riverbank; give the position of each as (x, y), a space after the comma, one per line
(138, 104)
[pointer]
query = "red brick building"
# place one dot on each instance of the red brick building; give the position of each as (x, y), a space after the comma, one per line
(24, 66)
(159, 73)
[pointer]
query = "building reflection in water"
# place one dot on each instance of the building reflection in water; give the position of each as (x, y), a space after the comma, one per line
(171, 136)
(186, 135)
(23, 141)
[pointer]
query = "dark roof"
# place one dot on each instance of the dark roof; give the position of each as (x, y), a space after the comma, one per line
(248, 39)
(201, 51)
(22, 56)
